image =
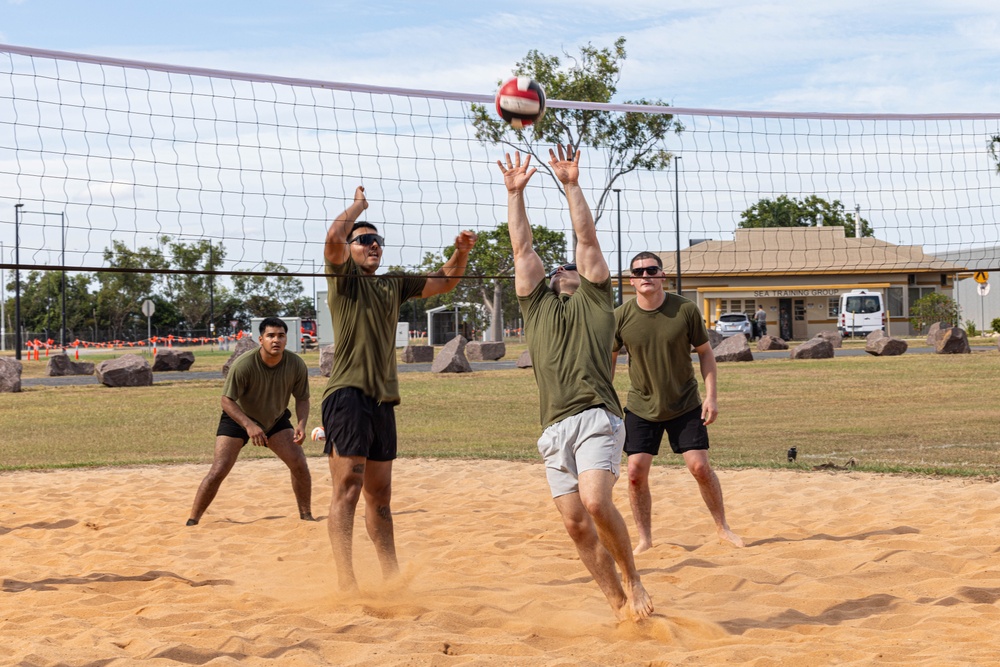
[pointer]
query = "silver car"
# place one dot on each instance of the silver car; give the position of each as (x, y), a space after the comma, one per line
(730, 324)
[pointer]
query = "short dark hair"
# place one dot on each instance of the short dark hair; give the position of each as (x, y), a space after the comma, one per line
(272, 322)
(359, 225)
(645, 254)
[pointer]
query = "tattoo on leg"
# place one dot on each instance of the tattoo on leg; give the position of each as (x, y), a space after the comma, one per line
(358, 469)
(385, 513)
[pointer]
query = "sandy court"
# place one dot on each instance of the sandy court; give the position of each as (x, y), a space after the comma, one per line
(848, 569)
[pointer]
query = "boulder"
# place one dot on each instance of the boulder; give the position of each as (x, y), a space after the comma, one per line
(483, 351)
(244, 344)
(524, 361)
(172, 360)
(418, 354)
(60, 365)
(451, 358)
(951, 340)
(771, 343)
(932, 332)
(884, 346)
(326, 360)
(714, 338)
(815, 348)
(834, 337)
(734, 348)
(10, 375)
(129, 370)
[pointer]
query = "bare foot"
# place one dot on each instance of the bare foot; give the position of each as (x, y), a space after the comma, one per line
(726, 535)
(639, 605)
(642, 546)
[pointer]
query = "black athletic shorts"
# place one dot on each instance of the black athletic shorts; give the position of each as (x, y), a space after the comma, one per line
(229, 428)
(685, 433)
(358, 425)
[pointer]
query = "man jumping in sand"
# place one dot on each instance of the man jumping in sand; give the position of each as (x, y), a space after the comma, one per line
(360, 398)
(659, 330)
(255, 409)
(570, 330)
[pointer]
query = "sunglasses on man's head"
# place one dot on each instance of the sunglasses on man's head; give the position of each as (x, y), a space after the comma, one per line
(640, 271)
(564, 267)
(368, 239)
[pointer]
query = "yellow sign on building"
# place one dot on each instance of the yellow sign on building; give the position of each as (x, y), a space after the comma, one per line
(981, 277)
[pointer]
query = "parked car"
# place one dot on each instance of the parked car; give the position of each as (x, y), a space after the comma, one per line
(730, 324)
(309, 339)
(861, 312)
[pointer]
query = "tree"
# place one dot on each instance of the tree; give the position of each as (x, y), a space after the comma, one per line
(493, 258)
(785, 211)
(931, 308)
(267, 296)
(41, 302)
(632, 140)
(991, 148)
(192, 292)
(120, 296)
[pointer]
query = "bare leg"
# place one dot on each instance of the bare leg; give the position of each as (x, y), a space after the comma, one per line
(641, 499)
(595, 495)
(711, 493)
(347, 474)
(291, 454)
(227, 450)
(378, 515)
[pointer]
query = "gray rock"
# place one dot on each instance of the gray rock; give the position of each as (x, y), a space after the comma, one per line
(418, 354)
(451, 358)
(932, 332)
(951, 340)
(129, 370)
(771, 343)
(815, 348)
(734, 348)
(60, 365)
(172, 360)
(524, 361)
(326, 360)
(875, 335)
(714, 338)
(10, 375)
(482, 351)
(884, 346)
(836, 340)
(244, 344)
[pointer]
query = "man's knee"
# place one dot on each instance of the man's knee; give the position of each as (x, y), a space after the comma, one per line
(700, 469)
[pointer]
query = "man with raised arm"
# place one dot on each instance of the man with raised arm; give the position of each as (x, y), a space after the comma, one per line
(570, 328)
(360, 398)
(255, 409)
(658, 330)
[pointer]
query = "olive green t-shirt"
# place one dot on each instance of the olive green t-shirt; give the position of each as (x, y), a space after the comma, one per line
(661, 375)
(262, 391)
(365, 311)
(569, 339)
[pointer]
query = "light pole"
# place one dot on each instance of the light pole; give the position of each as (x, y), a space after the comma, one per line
(618, 192)
(677, 206)
(17, 281)
(3, 302)
(62, 260)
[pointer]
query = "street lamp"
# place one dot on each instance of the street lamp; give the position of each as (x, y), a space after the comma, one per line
(677, 197)
(618, 192)
(17, 281)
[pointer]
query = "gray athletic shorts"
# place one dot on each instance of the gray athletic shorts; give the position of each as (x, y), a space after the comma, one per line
(590, 440)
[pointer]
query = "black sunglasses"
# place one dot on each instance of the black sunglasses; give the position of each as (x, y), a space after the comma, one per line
(640, 271)
(368, 239)
(564, 267)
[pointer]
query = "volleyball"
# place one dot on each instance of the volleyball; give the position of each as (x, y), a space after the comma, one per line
(318, 434)
(521, 102)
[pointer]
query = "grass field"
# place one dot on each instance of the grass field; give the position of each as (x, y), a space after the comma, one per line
(927, 414)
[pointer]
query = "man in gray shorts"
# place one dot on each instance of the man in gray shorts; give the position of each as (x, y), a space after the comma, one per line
(570, 329)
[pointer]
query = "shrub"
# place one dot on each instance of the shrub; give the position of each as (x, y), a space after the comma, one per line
(970, 328)
(995, 325)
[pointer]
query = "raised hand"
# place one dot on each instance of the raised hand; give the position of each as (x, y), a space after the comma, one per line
(515, 174)
(465, 240)
(359, 197)
(566, 166)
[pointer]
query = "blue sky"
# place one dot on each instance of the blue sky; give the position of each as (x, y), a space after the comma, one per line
(786, 55)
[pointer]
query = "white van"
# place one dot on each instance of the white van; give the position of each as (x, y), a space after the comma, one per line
(861, 312)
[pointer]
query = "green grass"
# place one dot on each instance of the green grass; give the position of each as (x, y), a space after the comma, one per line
(926, 414)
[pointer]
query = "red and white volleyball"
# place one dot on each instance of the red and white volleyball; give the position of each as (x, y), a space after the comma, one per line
(521, 102)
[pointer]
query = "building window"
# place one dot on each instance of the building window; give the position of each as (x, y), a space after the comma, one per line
(917, 293)
(799, 308)
(894, 296)
(833, 307)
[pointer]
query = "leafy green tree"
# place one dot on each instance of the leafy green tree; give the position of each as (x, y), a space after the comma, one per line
(489, 277)
(120, 295)
(267, 295)
(41, 303)
(630, 140)
(302, 306)
(931, 308)
(192, 292)
(813, 211)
